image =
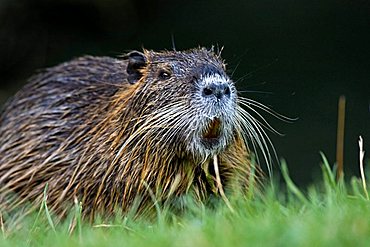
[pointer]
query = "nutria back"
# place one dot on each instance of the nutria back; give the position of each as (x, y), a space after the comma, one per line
(110, 132)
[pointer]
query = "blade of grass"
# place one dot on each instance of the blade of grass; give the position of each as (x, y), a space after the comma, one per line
(155, 202)
(291, 186)
(47, 212)
(2, 225)
(252, 179)
(77, 219)
(219, 184)
(329, 176)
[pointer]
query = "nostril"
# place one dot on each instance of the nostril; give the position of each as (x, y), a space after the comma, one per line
(217, 90)
(227, 90)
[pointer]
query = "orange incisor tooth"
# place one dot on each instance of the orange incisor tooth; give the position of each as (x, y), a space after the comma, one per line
(213, 130)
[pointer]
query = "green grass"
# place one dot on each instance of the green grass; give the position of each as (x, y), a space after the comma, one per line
(328, 213)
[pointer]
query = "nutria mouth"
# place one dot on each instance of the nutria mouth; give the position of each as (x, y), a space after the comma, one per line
(213, 131)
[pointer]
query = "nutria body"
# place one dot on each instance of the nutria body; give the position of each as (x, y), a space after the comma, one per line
(107, 131)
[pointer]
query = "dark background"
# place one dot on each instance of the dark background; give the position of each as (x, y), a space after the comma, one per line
(296, 56)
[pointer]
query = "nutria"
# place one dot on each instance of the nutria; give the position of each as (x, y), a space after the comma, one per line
(109, 130)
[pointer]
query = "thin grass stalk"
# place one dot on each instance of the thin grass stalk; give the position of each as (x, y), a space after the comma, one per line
(340, 135)
(362, 156)
(219, 184)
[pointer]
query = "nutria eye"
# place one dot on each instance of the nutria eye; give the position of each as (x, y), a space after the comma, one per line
(207, 91)
(164, 75)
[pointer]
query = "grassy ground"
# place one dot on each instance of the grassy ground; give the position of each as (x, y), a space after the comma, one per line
(329, 213)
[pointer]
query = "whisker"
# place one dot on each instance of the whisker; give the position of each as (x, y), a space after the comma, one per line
(264, 122)
(254, 91)
(257, 134)
(250, 102)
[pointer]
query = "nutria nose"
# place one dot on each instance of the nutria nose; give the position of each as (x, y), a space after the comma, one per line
(217, 89)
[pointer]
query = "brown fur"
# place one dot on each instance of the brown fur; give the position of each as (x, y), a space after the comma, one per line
(82, 128)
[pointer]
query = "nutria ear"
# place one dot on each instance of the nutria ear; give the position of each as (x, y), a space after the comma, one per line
(136, 61)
